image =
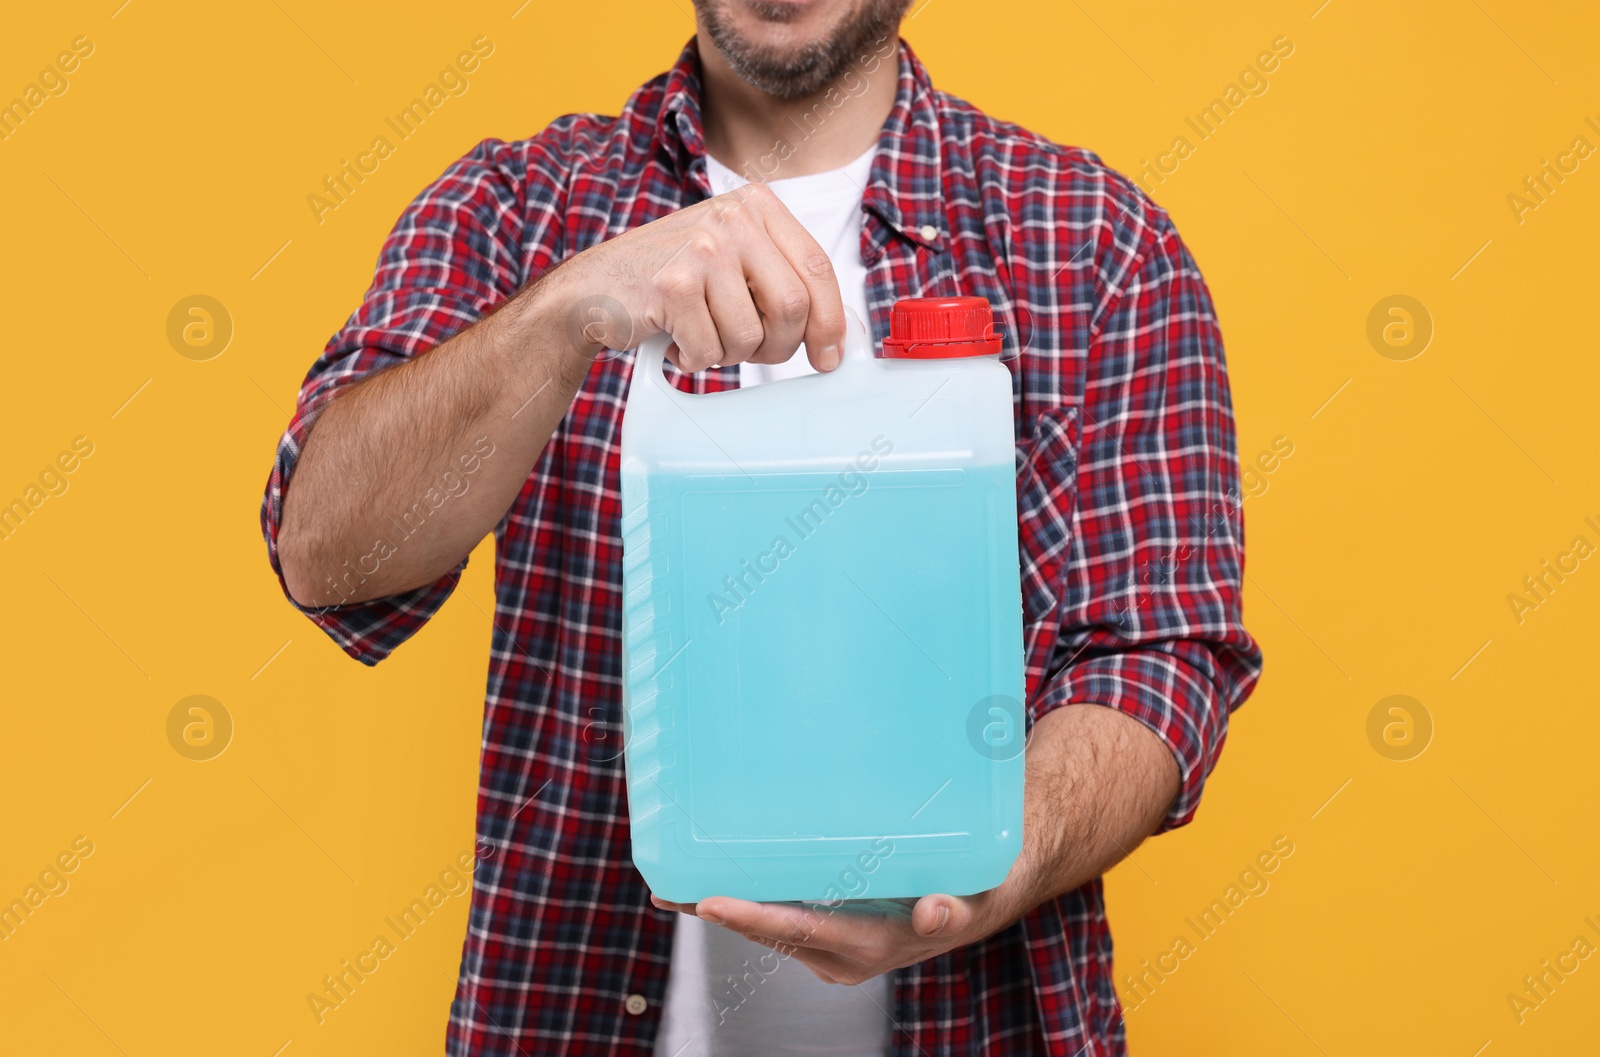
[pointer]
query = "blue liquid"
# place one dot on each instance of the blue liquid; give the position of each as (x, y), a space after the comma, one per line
(824, 682)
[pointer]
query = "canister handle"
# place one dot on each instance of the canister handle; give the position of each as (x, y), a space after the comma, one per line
(653, 353)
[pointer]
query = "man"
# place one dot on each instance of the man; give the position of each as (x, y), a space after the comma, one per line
(796, 160)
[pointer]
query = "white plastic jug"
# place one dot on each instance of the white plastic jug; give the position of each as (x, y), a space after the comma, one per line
(823, 622)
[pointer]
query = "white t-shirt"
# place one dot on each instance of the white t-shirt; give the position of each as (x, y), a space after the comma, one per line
(727, 996)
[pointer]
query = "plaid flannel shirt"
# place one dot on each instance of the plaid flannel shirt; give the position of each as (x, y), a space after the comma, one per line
(1130, 529)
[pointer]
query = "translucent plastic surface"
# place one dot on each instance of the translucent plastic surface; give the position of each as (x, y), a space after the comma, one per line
(823, 632)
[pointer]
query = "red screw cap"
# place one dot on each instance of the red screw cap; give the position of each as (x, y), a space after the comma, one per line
(935, 328)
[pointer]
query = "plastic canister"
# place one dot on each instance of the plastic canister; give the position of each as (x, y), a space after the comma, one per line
(823, 622)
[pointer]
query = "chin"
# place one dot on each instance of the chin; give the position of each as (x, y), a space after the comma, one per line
(793, 48)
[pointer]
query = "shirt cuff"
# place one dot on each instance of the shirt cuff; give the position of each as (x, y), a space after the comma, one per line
(368, 631)
(1169, 689)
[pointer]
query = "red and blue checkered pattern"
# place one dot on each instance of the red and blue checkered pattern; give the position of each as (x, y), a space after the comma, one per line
(1132, 539)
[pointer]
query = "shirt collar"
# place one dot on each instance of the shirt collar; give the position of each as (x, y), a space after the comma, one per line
(904, 189)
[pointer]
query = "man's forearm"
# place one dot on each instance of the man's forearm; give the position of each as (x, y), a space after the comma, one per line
(378, 450)
(1098, 783)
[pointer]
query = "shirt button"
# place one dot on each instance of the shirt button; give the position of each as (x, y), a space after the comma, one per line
(929, 232)
(635, 1004)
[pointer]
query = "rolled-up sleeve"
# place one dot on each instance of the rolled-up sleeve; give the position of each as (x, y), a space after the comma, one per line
(459, 249)
(1151, 619)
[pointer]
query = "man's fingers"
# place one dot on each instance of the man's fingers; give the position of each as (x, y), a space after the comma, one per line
(696, 344)
(824, 323)
(847, 945)
(740, 327)
(740, 279)
(788, 950)
(783, 299)
(799, 926)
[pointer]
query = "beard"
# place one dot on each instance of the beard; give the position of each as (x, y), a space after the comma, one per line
(797, 73)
